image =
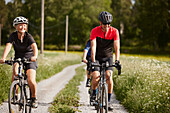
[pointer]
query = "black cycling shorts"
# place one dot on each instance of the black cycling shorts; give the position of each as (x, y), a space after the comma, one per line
(88, 58)
(31, 65)
(103, 60)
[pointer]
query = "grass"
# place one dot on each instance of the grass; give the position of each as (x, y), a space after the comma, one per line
(48, 65)
(144, 85)
(67, 99)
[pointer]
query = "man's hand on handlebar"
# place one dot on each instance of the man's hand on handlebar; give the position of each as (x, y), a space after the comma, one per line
(85, 61)
(118, 66)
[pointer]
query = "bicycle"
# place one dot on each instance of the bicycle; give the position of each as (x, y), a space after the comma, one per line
(19, 100)
(90, 91)
(101, 102)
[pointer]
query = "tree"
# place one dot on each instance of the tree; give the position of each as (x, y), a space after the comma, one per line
(153, 18)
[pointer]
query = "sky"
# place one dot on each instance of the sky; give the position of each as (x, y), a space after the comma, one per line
(6, 1)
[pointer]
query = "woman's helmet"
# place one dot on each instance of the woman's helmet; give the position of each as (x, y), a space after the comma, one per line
(105, 17)
(20, 20)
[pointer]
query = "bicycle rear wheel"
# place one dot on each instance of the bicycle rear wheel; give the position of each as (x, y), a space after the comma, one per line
(104, 99)
(16, 99)
(27, 93)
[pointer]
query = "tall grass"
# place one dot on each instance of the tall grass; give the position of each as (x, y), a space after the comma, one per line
(48, 65)
(144, 85)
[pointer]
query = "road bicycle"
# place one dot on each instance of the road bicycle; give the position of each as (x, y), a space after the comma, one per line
(19, 100)
(101, 102)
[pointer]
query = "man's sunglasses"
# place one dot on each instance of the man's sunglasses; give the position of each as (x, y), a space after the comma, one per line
(106, 23)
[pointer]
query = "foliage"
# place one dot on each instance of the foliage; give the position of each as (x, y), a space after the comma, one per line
(142, 23)
(144, 85)
(67, 99)
(145, 23)
(83, 14)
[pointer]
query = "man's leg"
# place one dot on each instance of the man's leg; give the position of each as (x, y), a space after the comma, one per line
(110, 86)
(95, 82)
(88, 79)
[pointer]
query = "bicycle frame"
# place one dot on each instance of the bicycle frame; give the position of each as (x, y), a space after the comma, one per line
(102, 93)
(20, 82)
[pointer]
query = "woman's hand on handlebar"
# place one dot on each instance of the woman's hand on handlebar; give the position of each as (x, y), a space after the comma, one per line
(34, 58)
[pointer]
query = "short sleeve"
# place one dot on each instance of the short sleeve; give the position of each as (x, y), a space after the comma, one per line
(93, 34)
(88, 46)
(11, 38)
(116, 35)
(31, 40)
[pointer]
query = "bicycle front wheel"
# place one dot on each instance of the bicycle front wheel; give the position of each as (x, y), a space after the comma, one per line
(104, 99)
(27, 93)
(16, 99)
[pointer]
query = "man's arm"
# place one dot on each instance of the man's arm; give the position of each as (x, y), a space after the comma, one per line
(93, 50)
(117, 49)
(85, 55)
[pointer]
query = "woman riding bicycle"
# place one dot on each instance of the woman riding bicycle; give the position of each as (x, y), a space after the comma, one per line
(25, 47)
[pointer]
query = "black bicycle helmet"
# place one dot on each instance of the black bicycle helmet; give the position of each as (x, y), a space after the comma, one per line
(19, 20)
(105, 17)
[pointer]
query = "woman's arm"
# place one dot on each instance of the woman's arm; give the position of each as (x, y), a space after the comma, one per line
(6, 51)
(35, 52)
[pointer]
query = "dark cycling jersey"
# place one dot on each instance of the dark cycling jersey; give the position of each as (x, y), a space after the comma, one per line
(22, 49)
(104, 41)
(88, 48)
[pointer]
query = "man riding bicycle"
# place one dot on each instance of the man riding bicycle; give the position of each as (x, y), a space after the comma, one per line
(25, 47)
(87, 60)
(103, 38)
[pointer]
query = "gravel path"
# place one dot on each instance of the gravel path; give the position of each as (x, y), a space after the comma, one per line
(85, 106)
(47, 89)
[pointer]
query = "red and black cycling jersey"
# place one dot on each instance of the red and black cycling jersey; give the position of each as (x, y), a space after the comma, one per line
(22, 49)
(104, 41)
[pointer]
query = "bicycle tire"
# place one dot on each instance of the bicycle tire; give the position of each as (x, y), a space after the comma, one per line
(27, 93)
(98, 100)
(16, 105)
(90, 91)
(104, 99)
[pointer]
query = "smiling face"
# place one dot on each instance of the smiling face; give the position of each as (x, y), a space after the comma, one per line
(21, 28)
(105, 27)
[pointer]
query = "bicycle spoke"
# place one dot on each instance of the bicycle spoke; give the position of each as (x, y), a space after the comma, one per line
(28, 98)
(16, 102)
(104, 98)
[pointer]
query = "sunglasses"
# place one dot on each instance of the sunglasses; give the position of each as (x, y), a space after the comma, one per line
(106, 23)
